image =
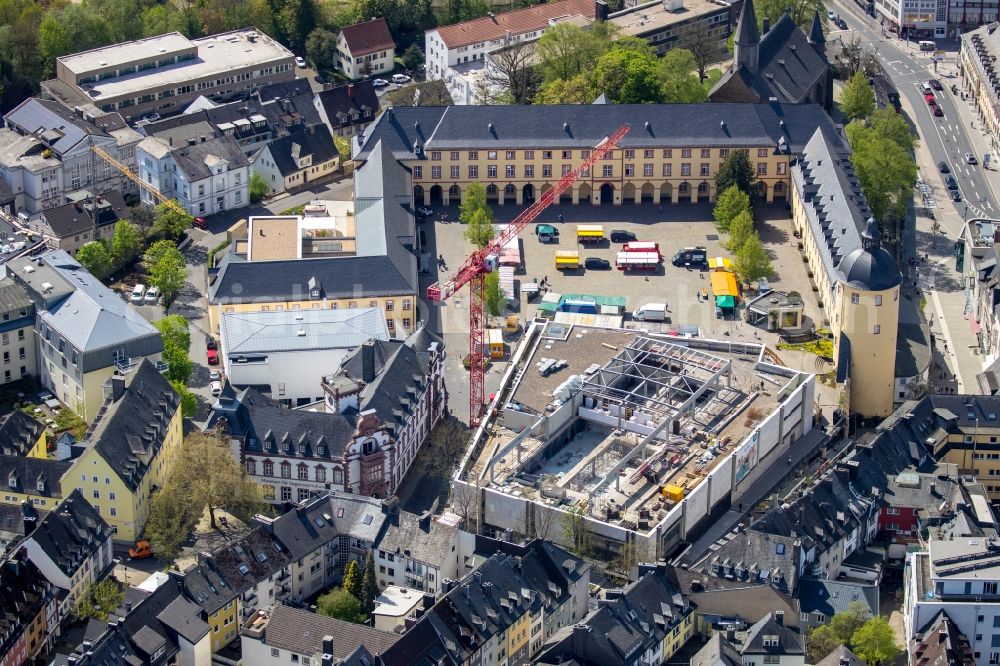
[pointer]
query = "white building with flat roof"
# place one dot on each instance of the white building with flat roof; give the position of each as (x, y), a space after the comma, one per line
(286, 353)
(393, 606)
(165, 73)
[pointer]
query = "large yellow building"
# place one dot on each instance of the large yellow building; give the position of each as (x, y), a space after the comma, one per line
(857, 280)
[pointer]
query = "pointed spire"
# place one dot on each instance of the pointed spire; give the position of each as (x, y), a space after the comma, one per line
(747, 32)
(816, 31)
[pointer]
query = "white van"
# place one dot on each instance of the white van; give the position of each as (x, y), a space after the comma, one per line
(651, 312)
(138, 291)
(925, 87)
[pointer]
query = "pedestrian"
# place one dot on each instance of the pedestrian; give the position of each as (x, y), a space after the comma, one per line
(789, 460)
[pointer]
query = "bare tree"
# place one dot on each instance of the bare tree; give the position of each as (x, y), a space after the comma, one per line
(511, 70)
(428, 93)
(465, 502)
(706, 48)
(545, 520)
(854, 57)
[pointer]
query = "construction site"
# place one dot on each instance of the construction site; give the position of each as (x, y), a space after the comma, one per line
(637, 436)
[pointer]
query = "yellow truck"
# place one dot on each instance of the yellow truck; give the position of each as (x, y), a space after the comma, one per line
(495, 343)
(567, 260)
(589, 233)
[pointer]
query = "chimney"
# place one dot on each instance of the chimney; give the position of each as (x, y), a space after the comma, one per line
(425, 521)
(368, 361)
(117, 388)
(327, 650)
(942, 635)
(350, 90)
(767, 24)
(779, 618)
(601, 11)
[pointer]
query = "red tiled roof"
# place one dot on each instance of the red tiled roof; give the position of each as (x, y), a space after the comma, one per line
(368, 37)
(517, 22)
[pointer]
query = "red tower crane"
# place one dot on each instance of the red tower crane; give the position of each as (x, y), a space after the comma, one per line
(482, 261)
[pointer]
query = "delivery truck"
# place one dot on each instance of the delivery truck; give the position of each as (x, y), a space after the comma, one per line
(567, 260)
(650, 312)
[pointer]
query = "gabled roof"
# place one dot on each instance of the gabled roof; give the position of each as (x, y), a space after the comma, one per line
(80, 216)
(368, 37)
(13, 297)
(418, 538)
(315, 141)
(321, 519)
(941, 643)
(133, 428)
(18, 433)
(789, 642)
(196, 161)
(717, 652)
(517, 22)
(746, 31)
(56, 125)
(33, 476)
(841, 656)
(24, 592)
(291, 433)
(830, 597)
(71, 534)
(302, 632)
(349, 104)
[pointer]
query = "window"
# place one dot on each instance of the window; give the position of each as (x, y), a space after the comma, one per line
(275, 652)
(685, 152)
(566, 169)
(251, 466)
(286, 494)
(303, 473)
(782, 168)
(321, 474)
(529, 171)
(473, 171)
(567, 154)
(454, 155)
(820, 618)
(435, 173)
(877, 329)
(706, 153)
(491, 155)
(647, 169)
(473, 154)
(406, 304)
(268, 468)
(286, 470)
(454, 171)
(509, 170)
(111, 496)
(855, 299)
(685, 169)
(418, 172)
(491, 171)
(97, 494)
(609, 170)
(629, 169)
(546, 171)
(511, 155)
(704, 169)
(668, 153)
(761, 168)
(436, 155)
(667, 170)
(878, 299)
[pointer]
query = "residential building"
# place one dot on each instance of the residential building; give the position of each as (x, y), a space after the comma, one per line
(298, 160)
(348, 109)
(718, 651)
(767, 641)
(28, 599)
(858, 280)
(16, 522)
(17, 332)
(394, 605)
(71, 546)
(22, 435)
(365, 49)
(131, 449)
(500, 613)
(663, 24)
(325, 229)
(46, 153)
(644, 623)
(821, 599)
(416, 553)
(450, 45)
(967, 15)
(288, 636)
(914, 19)
(315, 284)
(87, 218)
(957, 577)
(287, 353)
(85, 332)
(843, 656)
(163, 74)
(672, 152)
(206, 176)
(940, 644)
(782, 65)
(978, 82)
(155, 624)
(36, 481)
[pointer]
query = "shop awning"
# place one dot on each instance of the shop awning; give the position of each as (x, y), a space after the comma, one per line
(725, 302)
(724, 284)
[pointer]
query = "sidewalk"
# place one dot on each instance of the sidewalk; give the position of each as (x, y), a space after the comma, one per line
(935, 285)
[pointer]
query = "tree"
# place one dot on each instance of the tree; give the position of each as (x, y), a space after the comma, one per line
(98, 600)
(740, 229)
(352, 579)
(341, 604)
(857, 99)
(170, 222)
(171, 519)
(731, 202)
(845, 623)
(576, 530)
(885, 169)
(493, 295)
(736, 170)
(407, 19)
(888, 124)
(159, 19)
(321, 50)
(628, 76)
(479, 231)
(576, 90)
(680, 84)
(875, 642)
(69, 29)
(565, 50)
(510, 69)
(94, 256)
(120, 17)
(258, 187)
(369, 585)
(752, 262)
(166, 268)
(426, 93)
(296, 20)
(466, 10)
(443, 448)
(854, 57)
(413, 57)
(626, 558)
(705, 48)
(189, 401)
(174, 329)
(820, 642)
(800, 11)
(125, 243)
(473, 200)
(176, 343)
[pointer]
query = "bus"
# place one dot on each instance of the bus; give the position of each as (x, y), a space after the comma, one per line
(589, 233)
(638, 261)
(642, 246)
(567, 260)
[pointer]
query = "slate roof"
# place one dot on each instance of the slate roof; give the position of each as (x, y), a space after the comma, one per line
(349, 104)
(717, 652)
(306, 434)
(315, 141)
(72, 533)
(33, 476)
(307, 526)
(130, 433)
(196, 161)
(427, 541)
(18, 433)
(261, 332)
(830, 597)
(24, 592)
(871, 266)
(941, 643)
(55, 124)
(789, 642)
(77, 217)
(583, 126)
(302, 632)
(18, 521)
(516, 22)
(285, 280)
(368, 37)
(13, 297)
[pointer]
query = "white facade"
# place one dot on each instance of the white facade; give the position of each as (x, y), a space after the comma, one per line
(294, 377)
(17, 348)
(225, 188)
(355, 66)
(86, 572)
(915, 19)
(439, 57)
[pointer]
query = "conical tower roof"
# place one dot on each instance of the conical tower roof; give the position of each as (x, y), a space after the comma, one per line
(747, 32)
(816, 31)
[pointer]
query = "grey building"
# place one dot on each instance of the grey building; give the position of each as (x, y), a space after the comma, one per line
(17, 332)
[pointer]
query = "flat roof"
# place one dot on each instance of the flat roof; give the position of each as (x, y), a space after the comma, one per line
(125, 52)
(301, 330)
(655, 15)
(274, 237)
(217, 54)
(396, 601)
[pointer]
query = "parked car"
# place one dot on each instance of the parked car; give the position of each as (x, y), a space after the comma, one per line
(596, 264)
(216, 388)
(930, 100)
(210, 342)
(425, 211)
(622, 236)
(380, 83)
(840, 23)
(214, 375)
(300, 62)
(200, 222)
(213, 357)
(971, 159)
(938, 112)
(140, 550)
(956, 195)
(138, 291)
(151, 117)
(829, 14)
(936, 84)
(951, 183)
(152, 296)
(400, 78)
(943, 167)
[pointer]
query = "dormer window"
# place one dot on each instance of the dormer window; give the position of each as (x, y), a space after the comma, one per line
(12, 479)
(40, 486)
